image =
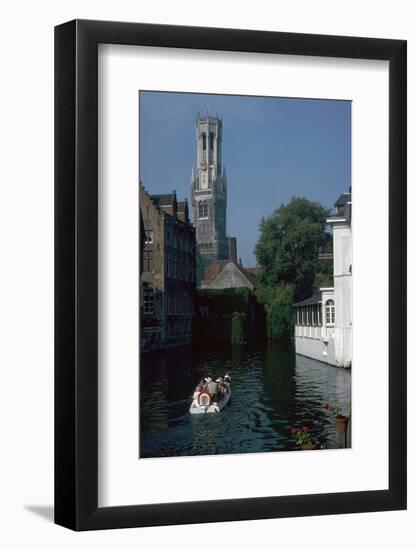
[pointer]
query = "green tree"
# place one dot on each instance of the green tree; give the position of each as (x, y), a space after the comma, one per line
(289, 245)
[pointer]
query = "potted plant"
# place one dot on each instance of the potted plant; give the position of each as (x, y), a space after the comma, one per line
(304, 438)
(341, 419)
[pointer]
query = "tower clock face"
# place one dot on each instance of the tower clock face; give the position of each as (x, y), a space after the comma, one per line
(203, 165)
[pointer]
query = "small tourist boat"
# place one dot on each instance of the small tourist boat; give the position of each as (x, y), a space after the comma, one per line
(203, 403)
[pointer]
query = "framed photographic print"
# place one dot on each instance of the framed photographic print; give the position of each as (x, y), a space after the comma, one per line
(230, 275)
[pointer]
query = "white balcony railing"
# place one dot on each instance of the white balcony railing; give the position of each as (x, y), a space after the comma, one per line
(315, 332)
(309, 332)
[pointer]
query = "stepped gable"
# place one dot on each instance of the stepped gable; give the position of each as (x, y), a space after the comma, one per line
(168, 203)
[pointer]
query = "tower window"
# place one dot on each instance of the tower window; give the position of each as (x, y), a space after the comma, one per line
(211, 151)
(203, 210)
(204, 138)
(330, 312)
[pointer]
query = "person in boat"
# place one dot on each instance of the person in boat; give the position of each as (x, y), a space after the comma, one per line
(227, 378)
(212, 388)
(219, 393)
(222, 388)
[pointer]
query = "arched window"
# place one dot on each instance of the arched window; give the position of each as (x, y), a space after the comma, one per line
(330, 312)
(211, 150)
(204, 138)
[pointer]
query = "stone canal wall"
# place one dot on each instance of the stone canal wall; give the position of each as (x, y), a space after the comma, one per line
(316, 349)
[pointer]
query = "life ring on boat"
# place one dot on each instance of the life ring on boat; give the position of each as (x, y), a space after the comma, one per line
(204, 399)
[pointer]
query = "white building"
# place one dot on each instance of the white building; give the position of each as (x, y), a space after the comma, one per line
(323, 328)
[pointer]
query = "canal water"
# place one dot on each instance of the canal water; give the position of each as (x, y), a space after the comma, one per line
(273, 390)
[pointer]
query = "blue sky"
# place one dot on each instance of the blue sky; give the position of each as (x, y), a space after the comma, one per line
(273, 149)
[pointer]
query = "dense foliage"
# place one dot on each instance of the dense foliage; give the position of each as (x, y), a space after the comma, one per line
(289, 246)
(279, 311)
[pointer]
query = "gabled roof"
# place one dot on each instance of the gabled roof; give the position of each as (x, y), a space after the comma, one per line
(212, 270)
(249, 276)
(232, 275)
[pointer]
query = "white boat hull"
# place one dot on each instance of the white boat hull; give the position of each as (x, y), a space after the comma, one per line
(214, 408)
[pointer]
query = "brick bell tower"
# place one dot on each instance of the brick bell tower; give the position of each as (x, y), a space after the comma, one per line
(209, 192)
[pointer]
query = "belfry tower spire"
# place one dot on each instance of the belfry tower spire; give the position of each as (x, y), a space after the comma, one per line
(209, 191)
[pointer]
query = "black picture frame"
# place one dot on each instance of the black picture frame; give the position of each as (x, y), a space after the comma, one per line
(76, 272)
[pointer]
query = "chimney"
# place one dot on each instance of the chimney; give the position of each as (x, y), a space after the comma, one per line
(233, 249)
(174, 204)
(186, 213)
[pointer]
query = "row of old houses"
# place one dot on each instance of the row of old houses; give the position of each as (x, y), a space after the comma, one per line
(168, 252)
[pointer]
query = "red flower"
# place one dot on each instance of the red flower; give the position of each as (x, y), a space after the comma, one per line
(294, 430)
(305, 429)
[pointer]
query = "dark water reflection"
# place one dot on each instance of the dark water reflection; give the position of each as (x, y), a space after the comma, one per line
(273, 389)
